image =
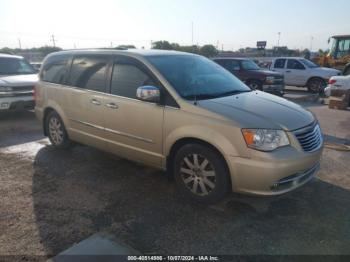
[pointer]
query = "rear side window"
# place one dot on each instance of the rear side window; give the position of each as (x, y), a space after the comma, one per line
(279, 63)
(55, 69)
(127, 77)
(89, 72)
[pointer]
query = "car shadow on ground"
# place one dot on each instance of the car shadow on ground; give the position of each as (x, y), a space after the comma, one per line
(82, 191)
(19, 127)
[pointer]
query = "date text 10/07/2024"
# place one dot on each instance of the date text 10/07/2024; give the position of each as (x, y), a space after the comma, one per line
(173, 258)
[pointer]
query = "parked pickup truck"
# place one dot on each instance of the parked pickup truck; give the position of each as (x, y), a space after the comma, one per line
(17, 80)
(252, 75)
(301, 72)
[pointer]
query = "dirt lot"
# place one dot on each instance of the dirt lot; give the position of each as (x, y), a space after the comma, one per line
(51, 199)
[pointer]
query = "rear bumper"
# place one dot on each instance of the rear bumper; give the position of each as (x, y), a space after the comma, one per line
(17, 103)
(274, 173)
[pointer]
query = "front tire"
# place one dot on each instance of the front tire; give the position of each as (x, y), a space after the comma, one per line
(255, 85)
(201, 173)
(316, 85)
(56, 131)
(347, 71)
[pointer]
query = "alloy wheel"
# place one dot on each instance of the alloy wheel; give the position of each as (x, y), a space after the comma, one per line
(56, 131)
(198, 174)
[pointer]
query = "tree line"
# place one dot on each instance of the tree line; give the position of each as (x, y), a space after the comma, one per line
(205, 50)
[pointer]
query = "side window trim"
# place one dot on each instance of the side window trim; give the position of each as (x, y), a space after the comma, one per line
(302, 67)
(66, 68)
(140, 65)
(106, 75)
(278, 60)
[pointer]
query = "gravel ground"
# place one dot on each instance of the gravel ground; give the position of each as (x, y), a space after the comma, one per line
(51, 199)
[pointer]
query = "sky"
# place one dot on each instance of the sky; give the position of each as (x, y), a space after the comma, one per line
(231, 24)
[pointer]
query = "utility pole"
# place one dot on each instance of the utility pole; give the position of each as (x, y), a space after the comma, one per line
(192, 33)
(279, 37)
(312, 39)
(53, 40)
(19, 43)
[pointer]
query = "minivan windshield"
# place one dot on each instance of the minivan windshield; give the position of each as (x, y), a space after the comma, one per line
(197, 77)
(308, 63)
(249, 65)
(15, 66)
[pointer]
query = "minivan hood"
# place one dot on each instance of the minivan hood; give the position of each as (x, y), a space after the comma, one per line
(19, 80)
(260, 110)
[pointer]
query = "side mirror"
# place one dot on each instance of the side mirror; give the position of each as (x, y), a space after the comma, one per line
(148, 94)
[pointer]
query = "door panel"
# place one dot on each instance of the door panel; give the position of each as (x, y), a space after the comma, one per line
(295, 73)
(135, 129)
(86, 99)
(85, 115)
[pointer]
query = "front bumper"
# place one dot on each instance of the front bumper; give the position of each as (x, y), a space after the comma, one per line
(17, 103)
(273, 173)
(273, 88)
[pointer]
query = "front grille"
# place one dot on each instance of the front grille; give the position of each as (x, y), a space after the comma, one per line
(278, 81)
(18, 91)
(310, 138)
(22, 88)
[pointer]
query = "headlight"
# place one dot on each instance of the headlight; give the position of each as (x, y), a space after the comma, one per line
(269, 80)
(265, 139)
(5, 89)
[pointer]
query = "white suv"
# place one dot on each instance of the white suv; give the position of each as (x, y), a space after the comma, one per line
(301, 72)
(17, 80)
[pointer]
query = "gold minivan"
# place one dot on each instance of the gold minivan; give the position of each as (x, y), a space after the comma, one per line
(182, 113)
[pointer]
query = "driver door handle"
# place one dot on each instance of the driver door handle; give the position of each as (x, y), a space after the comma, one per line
(95, 102)
(112, 106)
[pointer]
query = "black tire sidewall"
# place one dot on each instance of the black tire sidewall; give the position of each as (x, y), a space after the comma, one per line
(223, 183)
(347, 71)
(320, 90)
(255, 82)
(66, 142)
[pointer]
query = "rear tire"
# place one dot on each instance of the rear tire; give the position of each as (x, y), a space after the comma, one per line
(316, 85)
(346, 71)
(201, 173)
(56, 131)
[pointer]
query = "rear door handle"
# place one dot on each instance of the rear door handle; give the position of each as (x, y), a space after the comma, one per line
(112, 106)
(288, 71)
(95, 102)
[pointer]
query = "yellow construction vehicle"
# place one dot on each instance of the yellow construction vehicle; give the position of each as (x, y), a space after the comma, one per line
(339, 54)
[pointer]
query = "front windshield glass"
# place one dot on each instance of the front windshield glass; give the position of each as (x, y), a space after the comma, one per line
(249, 65)
(195, 76)
(308, 63)
(15, 66)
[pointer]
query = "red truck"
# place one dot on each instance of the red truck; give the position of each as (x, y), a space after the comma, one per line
(252, 75)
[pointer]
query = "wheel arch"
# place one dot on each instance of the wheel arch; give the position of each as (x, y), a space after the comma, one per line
(193, 140)
(53, 107)
(314, 77)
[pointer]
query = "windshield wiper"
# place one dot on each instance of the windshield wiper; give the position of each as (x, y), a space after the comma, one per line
(231, 93)
(215, 95)
(199, 96)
